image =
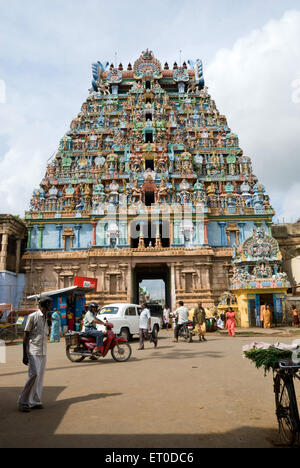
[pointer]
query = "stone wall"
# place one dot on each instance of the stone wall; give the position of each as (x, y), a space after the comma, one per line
(194, 274)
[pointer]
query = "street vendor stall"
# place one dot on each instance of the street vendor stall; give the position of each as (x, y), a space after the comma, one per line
(70, 303)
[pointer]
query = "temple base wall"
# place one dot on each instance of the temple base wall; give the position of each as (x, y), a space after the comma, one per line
(193, 274)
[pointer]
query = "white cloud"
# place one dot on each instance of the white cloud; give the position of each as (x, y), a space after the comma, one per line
(30, 144)
(256, 85)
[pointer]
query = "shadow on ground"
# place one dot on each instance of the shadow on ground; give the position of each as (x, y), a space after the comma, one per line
(38, 428)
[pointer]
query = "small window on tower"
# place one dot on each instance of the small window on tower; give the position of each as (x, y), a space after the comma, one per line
(150, 164)
(149, 137)
(149, 198)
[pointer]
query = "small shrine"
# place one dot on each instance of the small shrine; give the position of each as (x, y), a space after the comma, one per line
(257, 279)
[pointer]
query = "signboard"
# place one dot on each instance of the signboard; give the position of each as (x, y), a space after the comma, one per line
(86, 282)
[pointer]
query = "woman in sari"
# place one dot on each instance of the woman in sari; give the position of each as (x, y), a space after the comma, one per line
(55, 328)
(230, 323)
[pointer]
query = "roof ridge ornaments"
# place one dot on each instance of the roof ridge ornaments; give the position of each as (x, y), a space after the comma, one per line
(147, 66)
(97, 69)
(197, 66)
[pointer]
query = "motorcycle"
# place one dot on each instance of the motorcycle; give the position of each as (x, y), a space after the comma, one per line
(80, 346)
(186, 331)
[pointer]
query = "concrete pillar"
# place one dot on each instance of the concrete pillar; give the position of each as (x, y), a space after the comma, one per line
(123, 234)
(3, 254)
(102, 234)
(205, 232)
(223, 233)
(29, 229)
(59, 229)
(41, 228)
(130, 284)
(176, 236)
(242, 232)
(18, 255)
(77, 229)
(94, 225)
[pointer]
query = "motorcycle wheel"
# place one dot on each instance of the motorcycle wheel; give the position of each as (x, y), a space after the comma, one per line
(70, 350)
(186, 335)
(190, 337)
(121, 352)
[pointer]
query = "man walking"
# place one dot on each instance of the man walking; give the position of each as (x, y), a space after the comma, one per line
(183, 316)
(35, 356)
(145, 327)
(199, 317)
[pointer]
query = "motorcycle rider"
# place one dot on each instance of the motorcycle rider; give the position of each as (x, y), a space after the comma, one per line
(90, 321)
(183, 317)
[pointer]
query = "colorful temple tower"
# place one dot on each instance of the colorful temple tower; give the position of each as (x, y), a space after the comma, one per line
(149, 182)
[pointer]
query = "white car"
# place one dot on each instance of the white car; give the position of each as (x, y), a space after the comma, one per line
(125, 319)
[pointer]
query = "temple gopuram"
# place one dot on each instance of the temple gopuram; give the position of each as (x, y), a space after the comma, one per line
(148, 183)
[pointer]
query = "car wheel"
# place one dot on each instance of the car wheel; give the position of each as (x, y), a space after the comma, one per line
(125, 334)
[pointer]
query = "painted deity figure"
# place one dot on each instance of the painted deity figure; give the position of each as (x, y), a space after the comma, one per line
(162, 163)
(135, 163)
(136, 192)
(113, 192)
(163, 192)
(184, 189)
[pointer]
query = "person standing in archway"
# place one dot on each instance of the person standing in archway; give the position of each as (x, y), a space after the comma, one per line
(166, 317)
(262, 313)
(296, 321)
(267, 317)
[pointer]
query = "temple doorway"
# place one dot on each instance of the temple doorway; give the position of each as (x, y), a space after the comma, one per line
(277, 303)
(152, 285)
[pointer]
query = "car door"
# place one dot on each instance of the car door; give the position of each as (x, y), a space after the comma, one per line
(138, 310)
(131, 319)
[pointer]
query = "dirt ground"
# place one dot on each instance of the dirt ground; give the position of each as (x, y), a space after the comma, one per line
(184, 395)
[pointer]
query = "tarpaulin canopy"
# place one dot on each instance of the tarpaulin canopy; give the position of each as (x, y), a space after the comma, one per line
(58, 292)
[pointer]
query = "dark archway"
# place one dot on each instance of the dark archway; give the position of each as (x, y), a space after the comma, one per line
(156, 271)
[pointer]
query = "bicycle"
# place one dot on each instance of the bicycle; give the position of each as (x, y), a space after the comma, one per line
(286, 402)
(8, 333)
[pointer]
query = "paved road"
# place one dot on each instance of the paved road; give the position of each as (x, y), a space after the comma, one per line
(183, 395)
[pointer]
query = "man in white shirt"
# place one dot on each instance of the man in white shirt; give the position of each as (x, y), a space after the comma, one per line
(183, 316)
(35, 356)
(145, 327)
(166, 316)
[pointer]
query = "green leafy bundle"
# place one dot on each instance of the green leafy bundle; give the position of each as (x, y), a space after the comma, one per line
(267, 358)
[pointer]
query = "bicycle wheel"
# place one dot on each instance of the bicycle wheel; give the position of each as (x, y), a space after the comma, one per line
(286, 408)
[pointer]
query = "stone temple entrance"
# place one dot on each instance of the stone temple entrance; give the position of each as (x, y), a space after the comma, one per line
(152, 272)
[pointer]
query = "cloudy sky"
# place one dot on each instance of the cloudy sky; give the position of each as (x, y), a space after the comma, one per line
(251, 55)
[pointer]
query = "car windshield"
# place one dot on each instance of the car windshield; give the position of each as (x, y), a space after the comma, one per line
(109, 310)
